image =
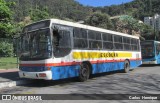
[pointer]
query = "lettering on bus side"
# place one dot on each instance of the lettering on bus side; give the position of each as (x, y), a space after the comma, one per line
(105, 55)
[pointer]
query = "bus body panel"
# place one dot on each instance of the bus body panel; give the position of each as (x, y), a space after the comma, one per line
(158, 59)
(149, 61)
(61, 72)
(66, 68)
(157, 51)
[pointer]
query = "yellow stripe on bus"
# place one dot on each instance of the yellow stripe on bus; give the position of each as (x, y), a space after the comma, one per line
(94, 55)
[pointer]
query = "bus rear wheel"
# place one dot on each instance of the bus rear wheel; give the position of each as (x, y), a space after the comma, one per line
(84, 72)
(126, 66)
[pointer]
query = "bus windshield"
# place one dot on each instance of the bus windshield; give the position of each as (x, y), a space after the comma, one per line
(36, 45)
(147, 50)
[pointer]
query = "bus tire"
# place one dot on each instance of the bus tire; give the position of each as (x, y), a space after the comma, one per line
(126, 66)
(84, 72)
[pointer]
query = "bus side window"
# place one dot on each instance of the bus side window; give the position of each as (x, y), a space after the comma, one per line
(56, 36)
(107, 41)
(95, 40)
(80, 38)
(61, 41)
(118, 42)
(126, 43)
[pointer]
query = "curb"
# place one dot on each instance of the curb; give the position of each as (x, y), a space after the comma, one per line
(14, 83)
(8, 70)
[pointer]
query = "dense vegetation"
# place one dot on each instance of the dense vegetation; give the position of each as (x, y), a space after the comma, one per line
(64, 9)
(27, 11)
(137, 8)
(15, 14)
(5, 20)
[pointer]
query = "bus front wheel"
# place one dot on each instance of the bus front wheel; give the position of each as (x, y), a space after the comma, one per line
(126, 66)
(84, 72)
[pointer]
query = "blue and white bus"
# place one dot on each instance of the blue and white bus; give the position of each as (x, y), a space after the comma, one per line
(150, 52)
(56, 49)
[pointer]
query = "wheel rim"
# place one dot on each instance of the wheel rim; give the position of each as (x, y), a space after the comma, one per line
(126, 66)
(84, 72)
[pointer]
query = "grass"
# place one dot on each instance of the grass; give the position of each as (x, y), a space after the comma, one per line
(8, 62)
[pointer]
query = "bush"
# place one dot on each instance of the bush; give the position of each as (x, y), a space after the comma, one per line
(6, 49)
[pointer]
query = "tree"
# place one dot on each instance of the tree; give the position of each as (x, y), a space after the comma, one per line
(129, 25)
(99, 20)
(5, 20)
(146, 31)
(39, 14)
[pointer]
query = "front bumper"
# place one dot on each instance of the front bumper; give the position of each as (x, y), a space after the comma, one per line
(47, 75)
(149, 62)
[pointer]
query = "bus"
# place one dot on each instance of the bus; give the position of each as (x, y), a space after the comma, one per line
(56, 49)
(150, 52)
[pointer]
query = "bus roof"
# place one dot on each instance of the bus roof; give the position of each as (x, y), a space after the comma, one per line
(68, 23)
(150, 41)
(90, 27)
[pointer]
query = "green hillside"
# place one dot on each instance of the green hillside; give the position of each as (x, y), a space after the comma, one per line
(137, 8)
(64, 9)
(73, 10)
(28, 11)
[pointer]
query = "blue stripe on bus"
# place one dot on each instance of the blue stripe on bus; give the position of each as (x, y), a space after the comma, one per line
(134, 64)
(73, 71)
(61, 72)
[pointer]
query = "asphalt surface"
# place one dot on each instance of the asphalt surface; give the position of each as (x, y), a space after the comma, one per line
(9, 75)
(143, 80)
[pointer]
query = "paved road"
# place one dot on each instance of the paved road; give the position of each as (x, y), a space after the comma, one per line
(143, 80)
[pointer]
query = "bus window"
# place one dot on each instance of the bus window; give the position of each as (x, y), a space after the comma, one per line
(80, 43)
(94, 35)
(95, 44)
(118, 42)
(80, 38)
(80, 33)
(107, 41)
(61, 41)
(36, 45)
(56, 36)
(126, 43)
(95, 41)
(134, 45)
(147, 50)
(107, 37)
(65, 41)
